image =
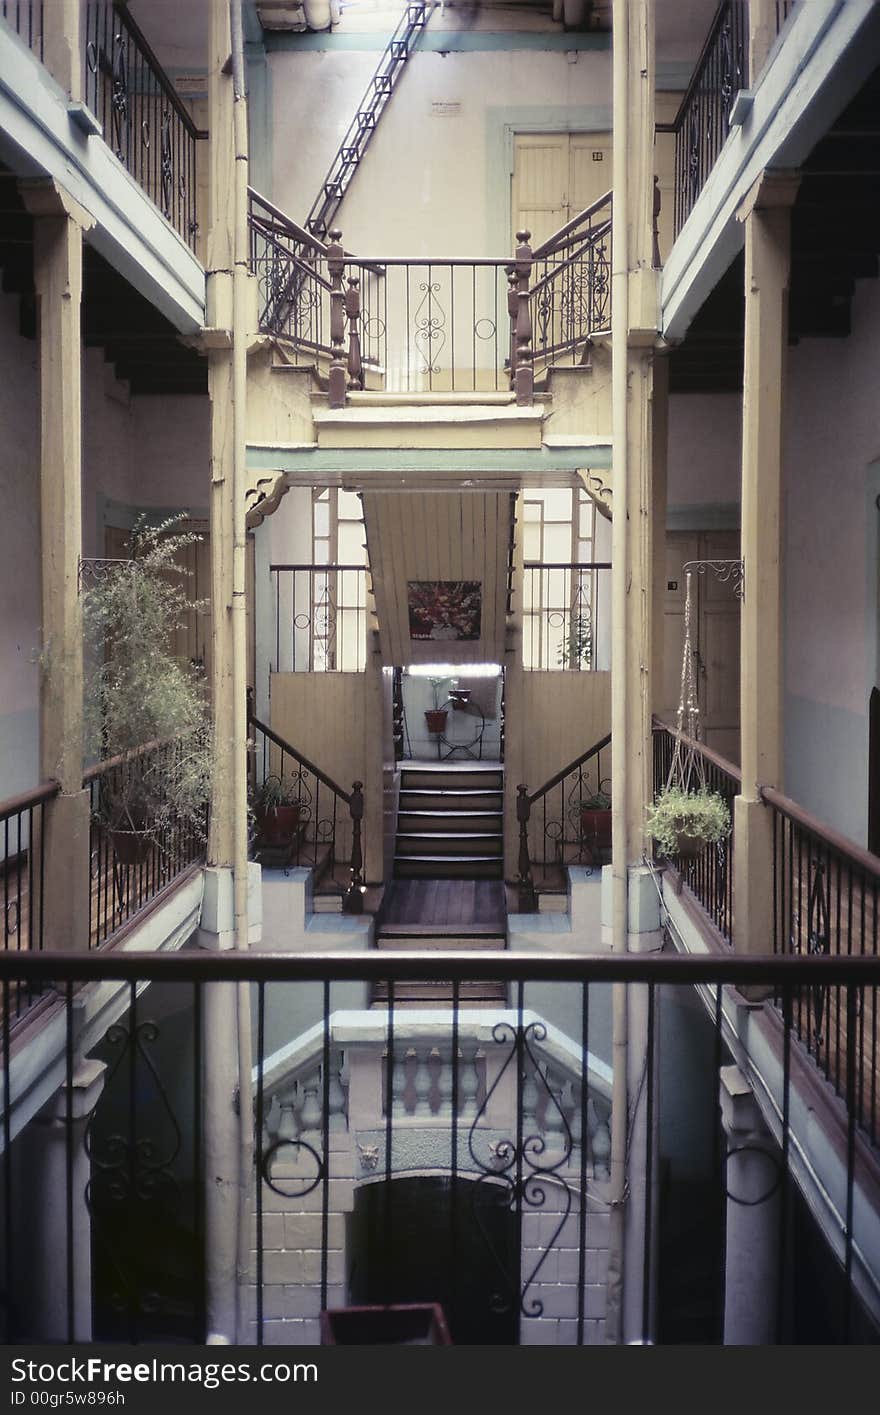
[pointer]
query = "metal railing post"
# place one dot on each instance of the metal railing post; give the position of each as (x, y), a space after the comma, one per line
(354, 899)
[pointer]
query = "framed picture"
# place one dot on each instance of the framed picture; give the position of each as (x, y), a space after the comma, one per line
(444, 610)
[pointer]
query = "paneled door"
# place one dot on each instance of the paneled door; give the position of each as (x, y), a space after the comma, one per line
(556, 175)
(715, 613)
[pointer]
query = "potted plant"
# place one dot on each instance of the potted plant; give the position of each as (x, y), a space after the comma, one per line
(278, 808)
(146, 713)
(595, 820)
(683, 822)
(576, 649)
(435, 717)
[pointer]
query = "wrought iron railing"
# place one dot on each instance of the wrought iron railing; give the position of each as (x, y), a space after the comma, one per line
(23, 825)
(566, 616)
(825, 904)
(302, 817)
(709, 876)
(143, 118)
(506, 1109)
(567, 821)
(320, 618)
(701, 123)
(570, 289)
(138, 844)
(26, 17)
(424, 325)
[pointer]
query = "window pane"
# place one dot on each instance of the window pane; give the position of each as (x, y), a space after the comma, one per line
(532, 542)
(351, 543)
(557, 504)
(349, 506)
(322, 518)
(557, 544)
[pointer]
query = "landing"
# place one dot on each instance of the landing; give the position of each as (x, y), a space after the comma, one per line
(444, 903)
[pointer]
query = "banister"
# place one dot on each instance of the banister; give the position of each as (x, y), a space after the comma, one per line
(557, 239)
(287, 223)
(697, 73)
(35, 796)
(556, 270)
(316, 771)
(572, 766)
(159, 74)
(863, 859)
(711, 756)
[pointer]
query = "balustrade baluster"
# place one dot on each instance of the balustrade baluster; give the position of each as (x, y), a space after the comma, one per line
(335, 270)
(524, 375)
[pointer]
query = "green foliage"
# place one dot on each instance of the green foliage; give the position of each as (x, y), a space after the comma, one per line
(278, 791)
(701, 814)
(138, 692)
(599, 800)
(576, 648)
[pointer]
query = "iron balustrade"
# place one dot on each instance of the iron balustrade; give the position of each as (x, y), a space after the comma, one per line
(566, 616)
(572, 825)
(825, 904)
(23, 822)
(143, 118)
(701, 124)
(570, 289)
(325, 832)
(320, 618)
(709, 876)
(294, 291)
(26, 17)
(137, 848)
(510, 1109)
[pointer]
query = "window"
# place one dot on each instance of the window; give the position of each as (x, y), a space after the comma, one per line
(566, 597)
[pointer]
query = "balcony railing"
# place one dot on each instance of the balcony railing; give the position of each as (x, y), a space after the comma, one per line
(825, 904)
(486, 1133)
(23, 825)
(143, 118)
(26, 18)
(567, 616)
(567, 821)
(444, 325)
(701, 123)
(709, 876)
(134, 856)
(320, 618)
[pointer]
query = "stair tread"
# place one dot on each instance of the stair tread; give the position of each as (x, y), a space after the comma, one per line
(432, 815)
(452, 791)
(447, 859)
(438, 930)
(449, 835)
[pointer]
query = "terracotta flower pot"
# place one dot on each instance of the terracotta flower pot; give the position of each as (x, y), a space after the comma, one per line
(436, 720)
(596, 828)
(689, 847)
(278, 824)
(131, 847)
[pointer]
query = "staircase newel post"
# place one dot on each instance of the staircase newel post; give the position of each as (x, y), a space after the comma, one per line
(353, 313)
(524, 377)
(512, 307)
(354, 898)
(336, 270)
(528, 899)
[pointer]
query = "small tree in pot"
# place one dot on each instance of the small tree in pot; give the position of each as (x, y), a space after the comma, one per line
(139, 695)
(435, 717)
(279, 806)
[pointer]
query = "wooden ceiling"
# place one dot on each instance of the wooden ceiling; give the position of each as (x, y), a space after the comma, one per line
(439, 536)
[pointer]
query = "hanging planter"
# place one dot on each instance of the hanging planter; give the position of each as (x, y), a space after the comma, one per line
(687, 815)
(435, 719)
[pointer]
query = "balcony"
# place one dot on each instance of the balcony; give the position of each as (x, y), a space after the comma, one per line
(459, 1156)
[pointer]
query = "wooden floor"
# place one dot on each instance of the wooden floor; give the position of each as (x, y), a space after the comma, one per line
(444, 903)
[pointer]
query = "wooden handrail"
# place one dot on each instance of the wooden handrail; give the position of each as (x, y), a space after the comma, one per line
(553, 242)
(711, 756)
(572, 766)
(860, 857)
(696, 75)
(316, 771)
(555, 271)
(567, 565)
(14, 805)
(287, 223)
(131, 754)
(161, 77)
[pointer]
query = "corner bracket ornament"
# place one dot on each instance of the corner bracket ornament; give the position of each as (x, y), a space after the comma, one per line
(262, 496)
(727, 572)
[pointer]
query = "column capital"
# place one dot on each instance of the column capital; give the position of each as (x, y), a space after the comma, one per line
(87, 1083)
(43, 196)
(740, 1112)
(775, 187)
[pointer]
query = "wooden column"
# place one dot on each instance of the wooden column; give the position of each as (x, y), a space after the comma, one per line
(766, 214)
(62, 48)
(59, 223)
(762, 33)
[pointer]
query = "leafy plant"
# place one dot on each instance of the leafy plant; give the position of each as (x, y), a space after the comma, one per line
(440, 690)
(577, 647)
(277, 791)
(696, 816)
(138, 692)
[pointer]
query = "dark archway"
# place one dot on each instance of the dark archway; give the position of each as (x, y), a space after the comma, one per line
(436, 1241)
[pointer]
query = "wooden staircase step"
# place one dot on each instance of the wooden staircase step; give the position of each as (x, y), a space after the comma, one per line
(439, 994)
(448, 866)
(444, 842)
(409, 821)
(463, 799)
(451, 780)
(434, 942)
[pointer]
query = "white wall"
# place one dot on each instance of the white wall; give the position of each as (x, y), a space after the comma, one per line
(428, 184)
(705, 457)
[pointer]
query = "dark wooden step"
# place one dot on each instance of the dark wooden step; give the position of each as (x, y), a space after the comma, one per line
(409, 821)
(439, 994)
(445, 842)
(464, 799)
(448, 866)
(457, 779)
(460, 940)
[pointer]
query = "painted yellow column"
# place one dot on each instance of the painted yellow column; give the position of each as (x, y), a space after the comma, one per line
(766, 214)
(59, 223)
(62, 45)
(762, 33)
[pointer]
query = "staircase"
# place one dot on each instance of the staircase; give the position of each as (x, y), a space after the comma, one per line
(362, 127)
(450, 822)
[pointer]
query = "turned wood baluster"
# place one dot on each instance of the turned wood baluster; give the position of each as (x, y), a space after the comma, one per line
(527, 897)
(353, 313)
(335, 270)
(354, 898)
(512, 307)
(524, 377)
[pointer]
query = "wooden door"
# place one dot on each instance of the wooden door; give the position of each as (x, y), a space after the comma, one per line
(715, 614)
(556, 175)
